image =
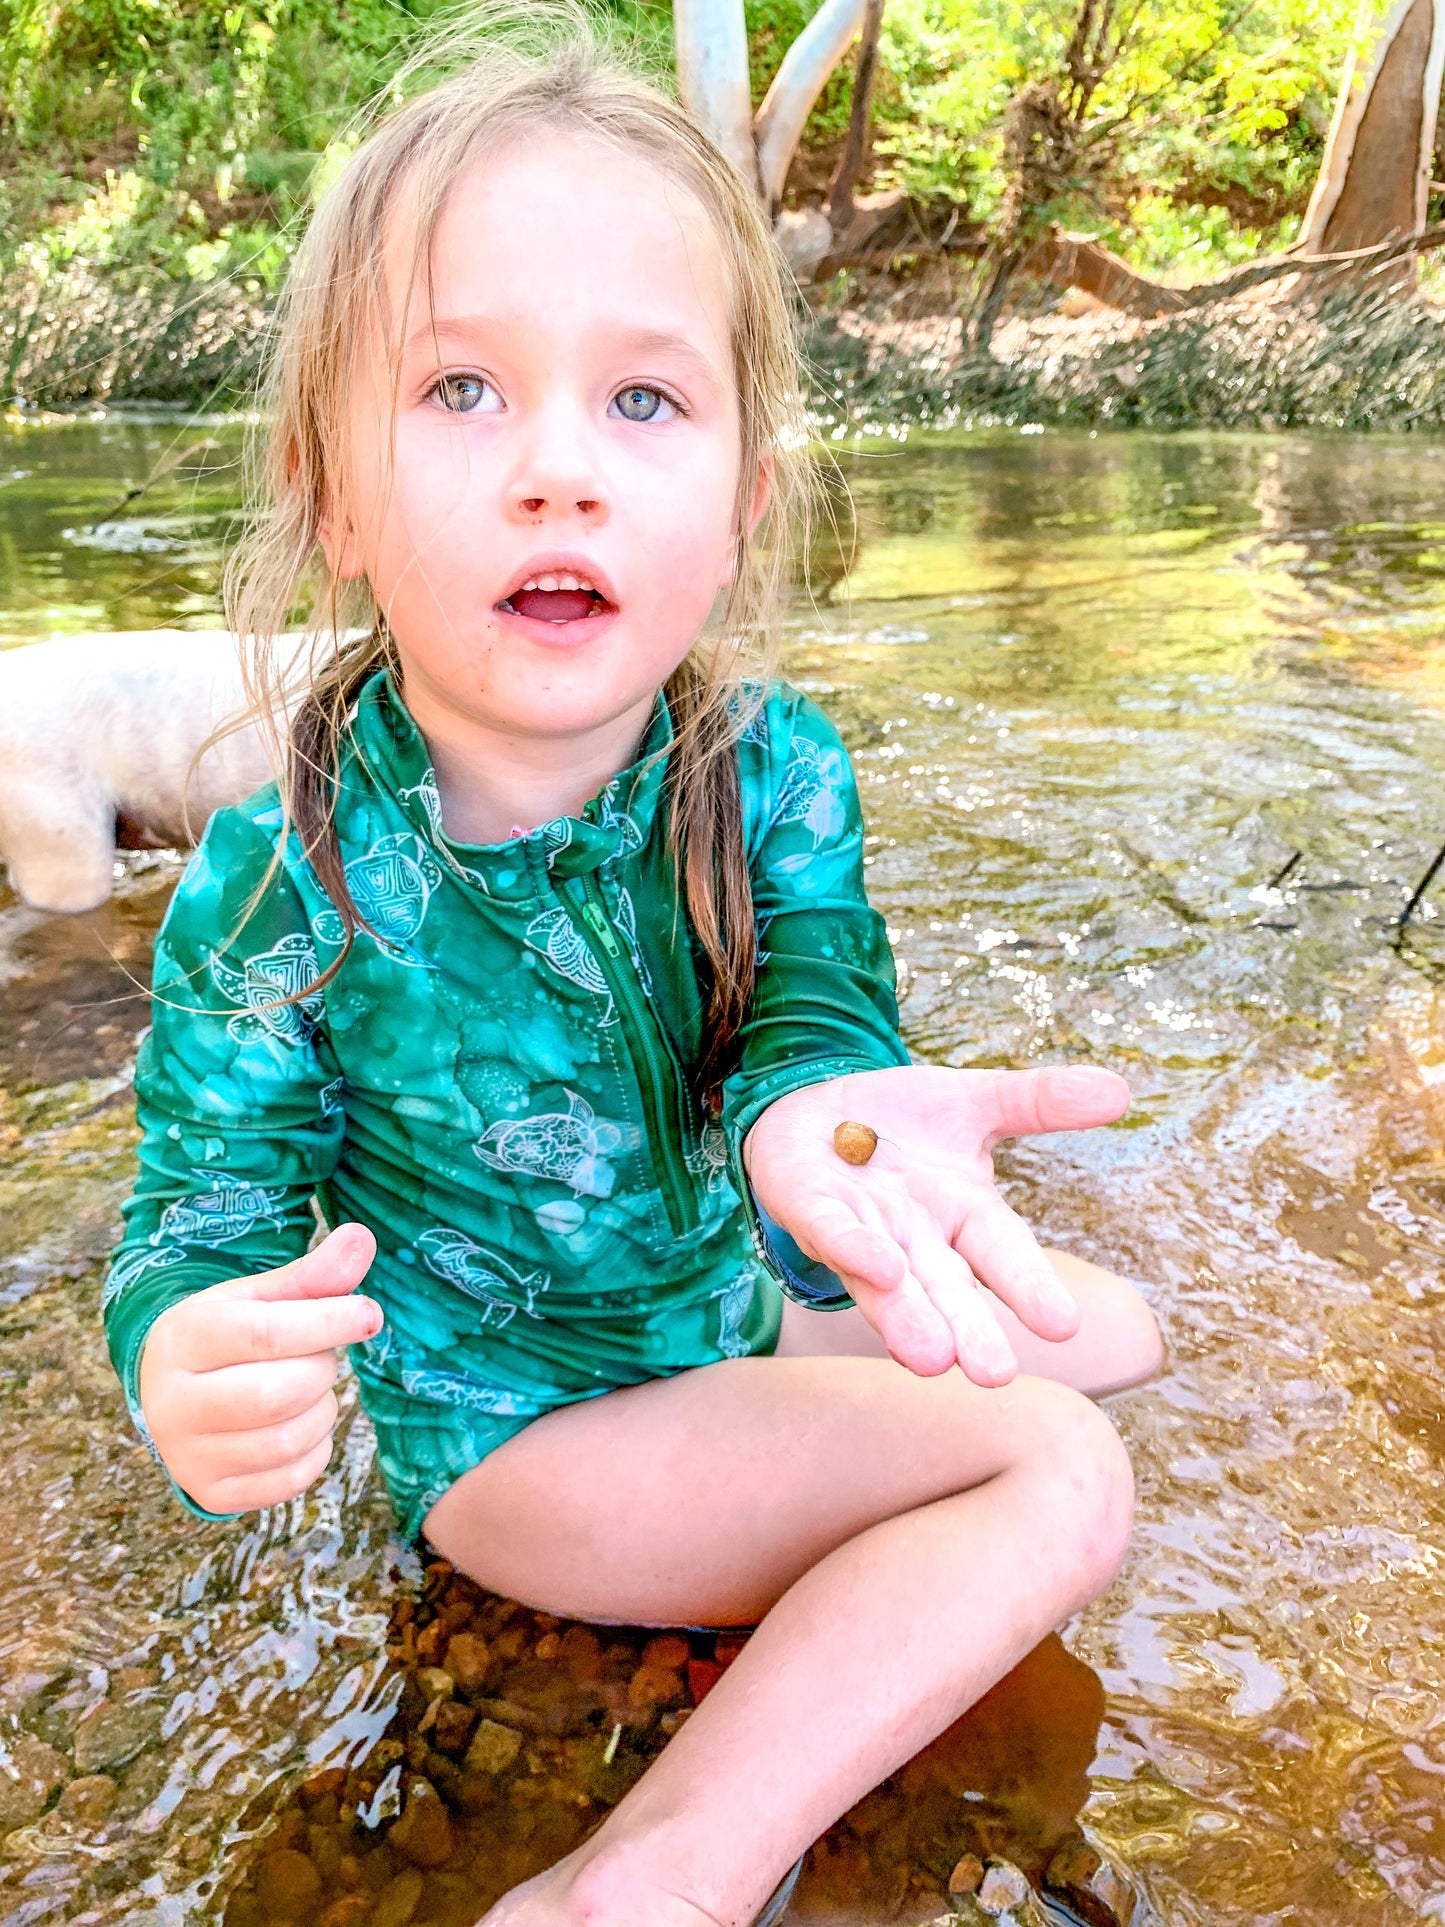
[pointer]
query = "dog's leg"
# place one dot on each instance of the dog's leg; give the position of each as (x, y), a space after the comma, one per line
(60, 848)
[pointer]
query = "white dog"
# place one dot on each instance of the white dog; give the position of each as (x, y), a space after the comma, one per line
(98, 743)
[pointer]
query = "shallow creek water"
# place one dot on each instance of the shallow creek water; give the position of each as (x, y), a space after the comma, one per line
(1100, 692)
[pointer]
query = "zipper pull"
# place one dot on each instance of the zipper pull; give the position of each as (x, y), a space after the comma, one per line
(596, 921)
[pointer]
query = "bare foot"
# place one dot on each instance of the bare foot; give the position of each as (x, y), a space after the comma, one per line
(596, 1891)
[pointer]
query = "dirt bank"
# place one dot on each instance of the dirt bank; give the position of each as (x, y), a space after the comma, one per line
(892, 350)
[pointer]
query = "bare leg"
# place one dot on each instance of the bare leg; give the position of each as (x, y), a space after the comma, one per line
(1117, 1343)
(903, 1540)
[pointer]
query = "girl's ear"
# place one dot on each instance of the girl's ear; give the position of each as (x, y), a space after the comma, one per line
(762, 493)
(757, 508)
(340, 547)
(334, 533)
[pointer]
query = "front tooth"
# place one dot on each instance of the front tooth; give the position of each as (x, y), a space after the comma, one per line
(568, 582)
(546, 582)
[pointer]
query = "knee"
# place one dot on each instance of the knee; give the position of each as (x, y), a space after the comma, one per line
(1140, 1354)
(1082, 1489)
(1118, 1344)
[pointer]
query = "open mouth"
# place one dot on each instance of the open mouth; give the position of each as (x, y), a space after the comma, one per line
(556, 598)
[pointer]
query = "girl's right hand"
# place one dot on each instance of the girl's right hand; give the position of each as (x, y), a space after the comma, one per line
(235, 1381)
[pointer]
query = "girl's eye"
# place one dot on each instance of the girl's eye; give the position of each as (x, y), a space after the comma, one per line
(643, 404)
(464, 394)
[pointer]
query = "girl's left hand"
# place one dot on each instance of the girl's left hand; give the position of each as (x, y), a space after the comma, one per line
(920, 1231)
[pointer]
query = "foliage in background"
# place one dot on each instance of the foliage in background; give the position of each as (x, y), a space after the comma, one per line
(176, 133)
(1213, 117)
(183, 135)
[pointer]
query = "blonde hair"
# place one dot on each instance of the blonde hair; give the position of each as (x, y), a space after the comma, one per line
(513, 68)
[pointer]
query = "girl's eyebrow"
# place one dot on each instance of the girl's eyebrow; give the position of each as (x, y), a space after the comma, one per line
(654, 341)
(644, 341)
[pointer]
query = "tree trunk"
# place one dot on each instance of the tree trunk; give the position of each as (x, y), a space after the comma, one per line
(712, 74)
(985, 320)
(1374, 181)
(842, 209)
(796, 85)
(1367, 214)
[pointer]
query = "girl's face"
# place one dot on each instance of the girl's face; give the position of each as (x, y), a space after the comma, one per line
(542, 494)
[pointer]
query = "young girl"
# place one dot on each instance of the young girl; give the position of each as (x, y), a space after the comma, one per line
(549, 975)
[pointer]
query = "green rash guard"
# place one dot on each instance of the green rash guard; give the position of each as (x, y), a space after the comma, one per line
(498, 1082)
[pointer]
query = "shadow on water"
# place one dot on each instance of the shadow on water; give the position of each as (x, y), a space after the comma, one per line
(1101, 695)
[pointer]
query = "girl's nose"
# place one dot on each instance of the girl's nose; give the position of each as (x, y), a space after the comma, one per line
(557, 477)
(532, 506)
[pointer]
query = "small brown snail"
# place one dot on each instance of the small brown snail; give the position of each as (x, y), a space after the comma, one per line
(855, 1143)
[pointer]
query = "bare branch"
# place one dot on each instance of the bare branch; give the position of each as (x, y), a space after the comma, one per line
(1082, 262)
(796, 85)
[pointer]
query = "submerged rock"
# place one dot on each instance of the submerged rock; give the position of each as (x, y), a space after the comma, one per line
(967, 1876)
(423, 1834)
(1003, 1887)
(516, 1733)
(398, 1901)
(1094, 1892)
(493, 1748)
(289, 1884)
(112, 1734)
(29, 1775)
(88, 1799)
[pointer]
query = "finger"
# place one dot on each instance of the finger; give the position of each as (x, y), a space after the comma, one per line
(979, 1345)
(268, 1446)
(1072, 1097)
(244, 1398)
(337, 1265)
(248, 1492)
(830, 1230)
(259, 1332)
(240, 1454)
(1005, 1255)
(909, 1323)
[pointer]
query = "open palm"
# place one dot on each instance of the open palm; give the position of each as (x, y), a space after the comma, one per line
(918, 1230)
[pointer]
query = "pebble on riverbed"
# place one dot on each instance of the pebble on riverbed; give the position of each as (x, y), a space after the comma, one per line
(517, 1732)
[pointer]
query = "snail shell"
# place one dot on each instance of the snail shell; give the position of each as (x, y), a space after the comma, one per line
(855, 1143)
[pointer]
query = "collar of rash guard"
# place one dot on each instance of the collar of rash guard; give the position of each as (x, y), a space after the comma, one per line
(613, 824)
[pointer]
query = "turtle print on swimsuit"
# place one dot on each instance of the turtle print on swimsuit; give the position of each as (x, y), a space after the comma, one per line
(499, 1080)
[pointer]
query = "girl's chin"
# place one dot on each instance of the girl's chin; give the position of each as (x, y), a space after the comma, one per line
(571, 696)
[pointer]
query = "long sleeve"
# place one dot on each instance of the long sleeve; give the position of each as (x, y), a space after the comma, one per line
(825, 1001)
(238, 1105)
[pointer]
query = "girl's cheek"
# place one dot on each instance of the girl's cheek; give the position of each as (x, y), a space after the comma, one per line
(691, 511)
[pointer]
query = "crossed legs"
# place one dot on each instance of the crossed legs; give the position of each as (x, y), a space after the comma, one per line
(903, 1542)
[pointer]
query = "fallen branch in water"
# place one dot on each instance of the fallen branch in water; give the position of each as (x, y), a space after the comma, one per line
(1414, 904)
(165, 466)
(1083, 263)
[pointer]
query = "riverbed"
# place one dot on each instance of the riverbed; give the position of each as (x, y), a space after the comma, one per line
(1151, 738)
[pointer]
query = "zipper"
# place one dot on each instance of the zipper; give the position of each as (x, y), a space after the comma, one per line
(658, 1078)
